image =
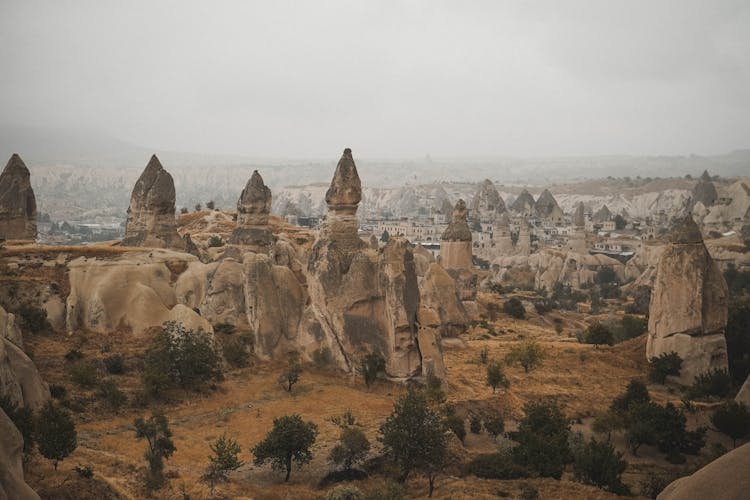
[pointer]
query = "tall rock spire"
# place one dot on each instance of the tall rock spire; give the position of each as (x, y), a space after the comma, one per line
(455, 247)
(151, 214)
(253, 208)
(17, 201)
(343, 196)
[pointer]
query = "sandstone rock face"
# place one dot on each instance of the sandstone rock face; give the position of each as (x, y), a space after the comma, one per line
(151, 214)
(523, 244)
(253, 208)
(455, 244)
(12, 484)
(726, 478)
(19, 379)
(487, 203)
(688, 310)
(17, 202)
(134, 292)
(502, 237)
(440, 305)
(524, 204)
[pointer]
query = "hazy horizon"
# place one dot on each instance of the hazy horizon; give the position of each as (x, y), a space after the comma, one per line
(395, 80)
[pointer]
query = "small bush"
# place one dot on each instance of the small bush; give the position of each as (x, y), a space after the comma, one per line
(215, 241)
(34, 320)
(111, 394)
(483, 355)
(370, 367)
(529, 355)
(434, 388)
(664, 365)
(386, 490)
(84, 374)
(23, 418)
(344, 492)
(514, 308)
(115, 364)
(715, 383)
(58, 391)
(495, 466)
(225, 328)
(235, 351)
(84, 471)
(322, 357)
(496, 377)
(73, 355)
(598, 334)
(598, 464)
(529, 492)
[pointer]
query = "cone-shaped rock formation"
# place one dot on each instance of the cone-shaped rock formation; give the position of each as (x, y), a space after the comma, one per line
(253, 208)
(17, 202)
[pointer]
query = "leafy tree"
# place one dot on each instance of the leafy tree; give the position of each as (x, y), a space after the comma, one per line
(23, 418)
(630, 327)
(158, 436)
(370, 366)
(514, 308)
(352, 448)
(495, 376)
(598, 334)
(210, 205)
(290, 440)
(198, 207)
(733, 419)
(434, 388)
(605, 275)
(529, 355)
(413, 437)
(291, 374)
(597, 463)
(475, 424)
(636, 392)
(542, 438)
(619, 222)
(223, 461)
(664, 365)
(641, 301)
(385, 236)
(179, 357)
(56, 434)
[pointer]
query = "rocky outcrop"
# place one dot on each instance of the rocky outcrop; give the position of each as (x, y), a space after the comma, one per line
(253, 209)
(19, 379)
(546, 207)
(502, 237)
(12, 484)
(726, 478)
(341, 226)
(524, 204)
(704, 191)
(487, 203)
(523, 243)
(17, 202)
(688, 310)
(579, 216)
(151, 215)
(134, 292)
(455, 244)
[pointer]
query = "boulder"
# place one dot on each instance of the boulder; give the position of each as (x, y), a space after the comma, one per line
(151, 215)
(726, 478)
(17, 202)
(688, 310)
(12, 484)
(253, 209)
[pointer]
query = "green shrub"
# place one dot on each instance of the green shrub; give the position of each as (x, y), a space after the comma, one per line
(529, 492)
(514, 308)
(84, 374)
(715, 383)
(370, 366)
(23, 418)
(108, 392)
(434, 388)
(494, 424)
(528, 354)
(224, 328)
(542, 439)
(664, 365)
(322, 357)
(73, 355)
(84, 471)
(733, 419)
(34, 320)
(215, 241)
(58, 391)
(385, 490)
(475, 424)
(495, 466)
(179, 357)
(344, 492)
(115, 364)
(598, 464)
(598, 334)
(455, 424)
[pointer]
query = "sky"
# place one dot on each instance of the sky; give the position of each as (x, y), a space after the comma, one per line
(297, 79)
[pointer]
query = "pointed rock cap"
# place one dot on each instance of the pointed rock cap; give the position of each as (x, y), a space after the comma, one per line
(705, 176)
(256, 197)
(686, 231)
(487, 199)
(458, 229)
(154, 189)
(523, 201)
(545, 203)
(15, 166)
(346, 188)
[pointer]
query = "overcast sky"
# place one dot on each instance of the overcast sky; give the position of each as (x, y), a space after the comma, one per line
(389, 79)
